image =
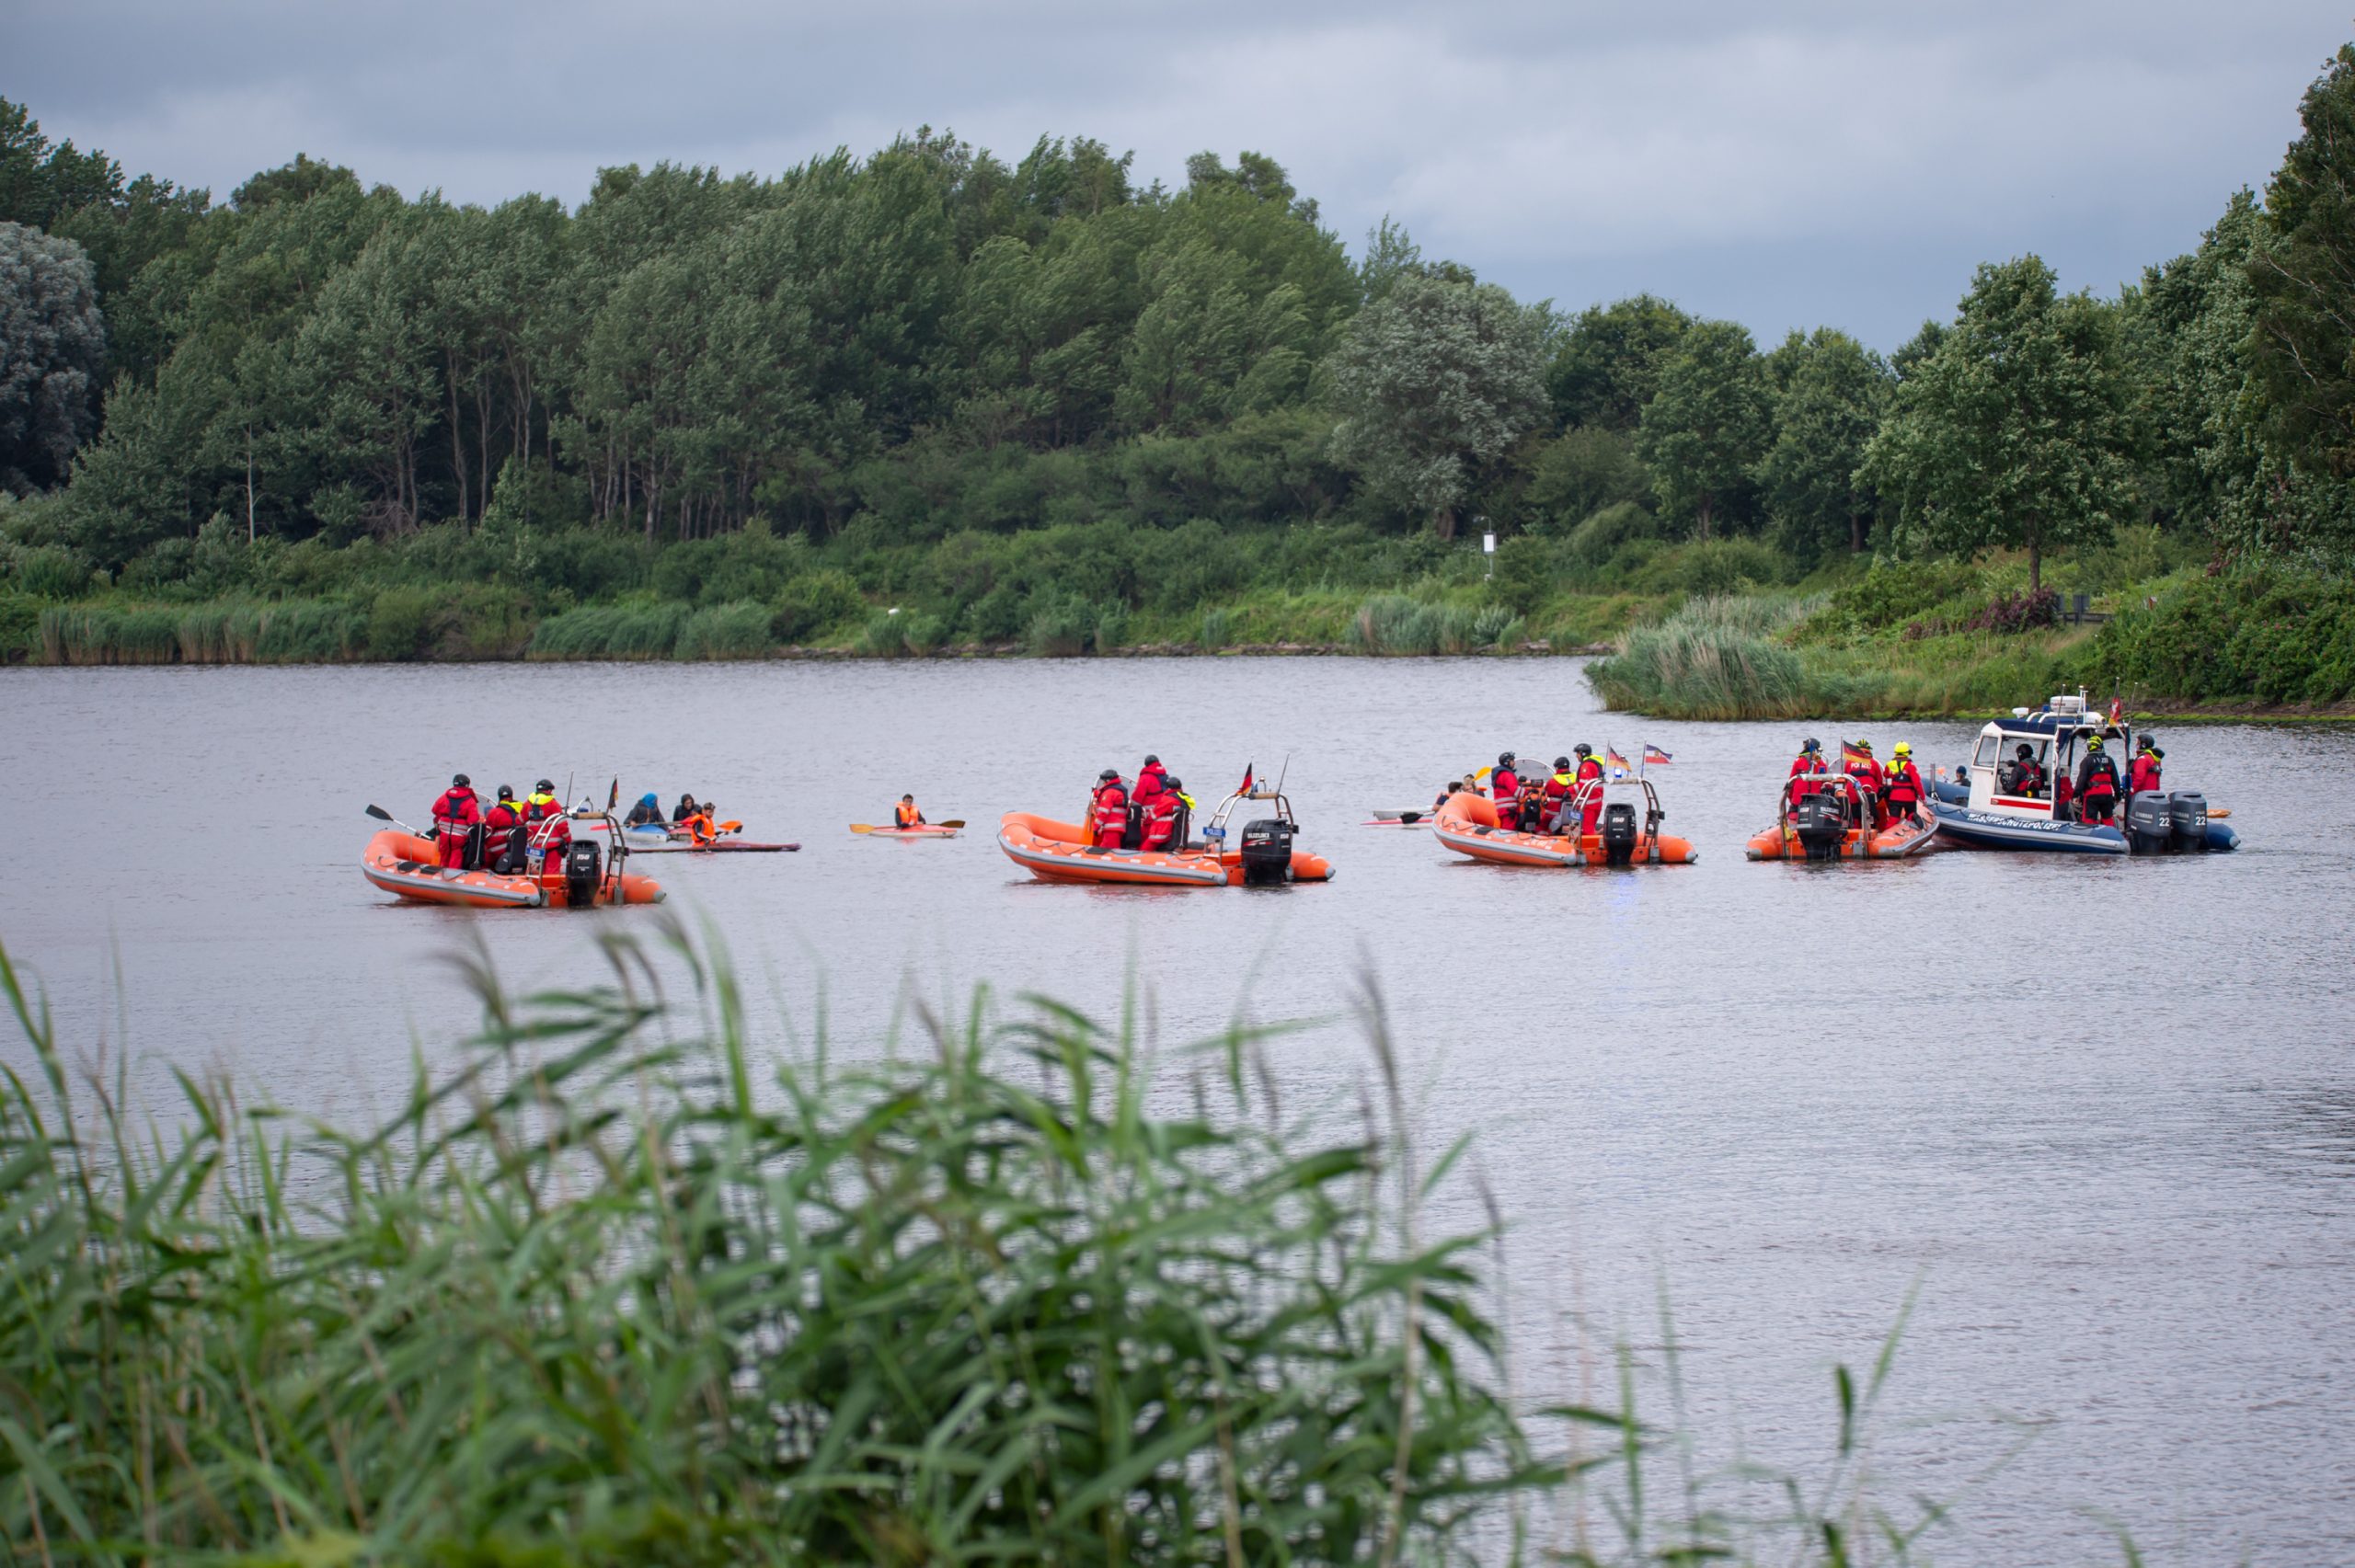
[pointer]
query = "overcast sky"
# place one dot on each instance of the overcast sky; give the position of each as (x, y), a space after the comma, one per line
(1787, 164)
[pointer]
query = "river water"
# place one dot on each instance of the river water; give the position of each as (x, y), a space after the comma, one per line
(2096, 1116)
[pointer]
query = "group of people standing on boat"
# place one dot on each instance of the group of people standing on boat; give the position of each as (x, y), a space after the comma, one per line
(1544, 799)
(1886, 794)
(508, 836)
(1152, 813)
(2094, 794)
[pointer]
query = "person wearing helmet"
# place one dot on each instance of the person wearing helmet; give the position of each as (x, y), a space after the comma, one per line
(1560, 786)
(1805, 765)
(502, 848)
(1587, 786)
(1107, 810)
(1504, 788)
(1903, 790)
(2144, 774)
(1157, 813)
(1152, 779)
(456, 816)
(2023, 775)
(1861, 765)
(548, 832)
(2098, 785)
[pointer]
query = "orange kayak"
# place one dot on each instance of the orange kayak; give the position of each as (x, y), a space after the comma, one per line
(1467, 824)
(1061, 852)
(411, 867)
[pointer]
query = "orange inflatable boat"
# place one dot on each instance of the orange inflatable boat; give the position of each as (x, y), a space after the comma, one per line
(1823, 825)
(411, 867)
(1467, 824)
(1263, 856)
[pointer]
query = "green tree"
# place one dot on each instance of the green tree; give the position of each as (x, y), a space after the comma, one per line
(1608, 362)
(52, 349)
(1706, 424)
(1435, 384)
(1831, 392)
(2014, 432)
(1583, 470)
(2303, 349)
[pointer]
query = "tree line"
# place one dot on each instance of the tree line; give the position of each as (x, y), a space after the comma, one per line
(932, 340)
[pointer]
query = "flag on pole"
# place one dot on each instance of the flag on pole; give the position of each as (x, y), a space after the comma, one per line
(1850, 757)
(1654, 757)
(1246, 780)
(1610, 757)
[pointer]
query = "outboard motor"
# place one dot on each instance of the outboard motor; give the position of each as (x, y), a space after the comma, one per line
(582, 874)
(2187, 813)
(1267, 853)
(1820, 821)
(2150, 823)
(1618, 833)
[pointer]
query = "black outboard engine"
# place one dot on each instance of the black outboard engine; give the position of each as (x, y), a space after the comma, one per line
(2150, 825)
(2187, 813)
(1267, 853)
(1820, 821)
(581, 873)
(1618, 833)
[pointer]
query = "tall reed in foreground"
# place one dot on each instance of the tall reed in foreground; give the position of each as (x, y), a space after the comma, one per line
(600, 1293)
(616, 1292)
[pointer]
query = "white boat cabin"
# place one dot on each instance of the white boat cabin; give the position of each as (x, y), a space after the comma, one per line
(2020, 760)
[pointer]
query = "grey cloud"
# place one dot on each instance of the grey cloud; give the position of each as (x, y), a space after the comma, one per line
(1807, 162)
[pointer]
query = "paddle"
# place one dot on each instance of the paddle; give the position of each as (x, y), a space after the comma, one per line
(381, 815)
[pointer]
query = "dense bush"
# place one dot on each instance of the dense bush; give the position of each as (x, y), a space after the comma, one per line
(1893, 592)
(2277, 637)
(724, 631)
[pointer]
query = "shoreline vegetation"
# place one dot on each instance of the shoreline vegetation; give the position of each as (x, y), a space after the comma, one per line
(932, 401)
(628, 1286)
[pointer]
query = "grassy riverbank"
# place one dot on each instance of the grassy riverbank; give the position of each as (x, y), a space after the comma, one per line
(493, 592)
(630, 1290)
(1929, 641)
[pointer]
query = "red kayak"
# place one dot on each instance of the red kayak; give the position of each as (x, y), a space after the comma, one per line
(926, 830)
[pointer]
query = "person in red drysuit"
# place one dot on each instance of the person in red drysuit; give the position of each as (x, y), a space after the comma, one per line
(2097, 784)
(1871, 780)
(550, 833)
(1807, 766)
(500, 823)
(1161, 809)
(1589, 779)
(2144, 774)
(1559, 786)
(1504, 788)
(1904, 786)
(1108, 812)
(454, 816)
(1152, 779)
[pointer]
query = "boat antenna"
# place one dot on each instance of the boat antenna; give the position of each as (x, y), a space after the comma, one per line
(1280, 772)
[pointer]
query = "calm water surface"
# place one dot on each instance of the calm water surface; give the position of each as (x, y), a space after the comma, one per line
(2101, 1114)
